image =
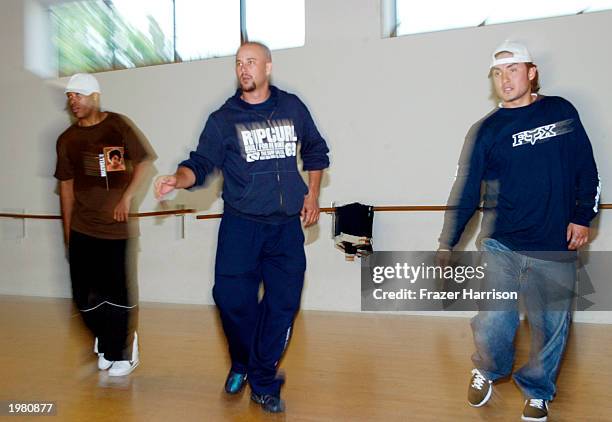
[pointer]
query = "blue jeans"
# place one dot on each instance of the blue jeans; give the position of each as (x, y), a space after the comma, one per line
(537, 282)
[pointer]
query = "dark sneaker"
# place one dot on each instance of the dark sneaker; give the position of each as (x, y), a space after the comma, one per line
(480, 389)
(269, 403)
(234, 382)
(535, 410)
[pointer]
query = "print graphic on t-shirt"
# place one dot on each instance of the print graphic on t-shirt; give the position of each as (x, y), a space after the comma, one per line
(543, 133)
(102, 162)
(267, 140)
(93, 164)
(114, 157)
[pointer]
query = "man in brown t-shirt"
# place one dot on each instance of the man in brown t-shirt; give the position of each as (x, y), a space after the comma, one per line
(101, 161)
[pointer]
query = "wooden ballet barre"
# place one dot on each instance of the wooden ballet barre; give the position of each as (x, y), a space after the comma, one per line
(208, 216)
(32, 216)
(167, 212)
(329, 210)
(385, 208)
(430, 208)
(137, 215)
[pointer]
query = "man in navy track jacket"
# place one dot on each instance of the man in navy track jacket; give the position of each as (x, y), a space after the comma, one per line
(254, 139)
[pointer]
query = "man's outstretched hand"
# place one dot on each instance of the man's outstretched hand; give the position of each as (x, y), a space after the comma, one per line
(164, 185)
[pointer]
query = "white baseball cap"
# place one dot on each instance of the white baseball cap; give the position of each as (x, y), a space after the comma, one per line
(82, 83)
(519, 52)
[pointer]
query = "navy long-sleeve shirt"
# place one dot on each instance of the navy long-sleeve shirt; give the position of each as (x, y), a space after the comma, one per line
(255, 146)
(539, 175)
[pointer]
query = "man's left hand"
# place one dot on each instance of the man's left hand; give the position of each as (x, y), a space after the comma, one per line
(122, 209)
(577, 236)
(310, 210)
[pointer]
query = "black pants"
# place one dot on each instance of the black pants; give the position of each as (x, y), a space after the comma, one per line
(102, 292)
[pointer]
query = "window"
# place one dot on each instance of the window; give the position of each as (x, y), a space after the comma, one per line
(142, 32)
(207, 28)
(413, 17)
(98, 35)
(82, 37)
(276, 23)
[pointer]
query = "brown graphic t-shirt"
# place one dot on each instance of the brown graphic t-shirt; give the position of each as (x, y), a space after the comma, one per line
(99, 158)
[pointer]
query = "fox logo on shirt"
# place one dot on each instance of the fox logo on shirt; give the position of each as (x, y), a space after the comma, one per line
(542, 134)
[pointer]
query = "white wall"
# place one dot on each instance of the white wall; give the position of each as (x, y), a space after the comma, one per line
(394, 111)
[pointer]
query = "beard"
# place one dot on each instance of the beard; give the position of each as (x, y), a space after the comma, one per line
(248, 87)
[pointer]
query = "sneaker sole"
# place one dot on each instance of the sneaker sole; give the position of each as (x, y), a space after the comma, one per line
(527, 418)
(486, 398)
(125, 373)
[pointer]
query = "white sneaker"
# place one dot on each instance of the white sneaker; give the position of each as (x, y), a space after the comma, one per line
(121, 368)
(103, 364)
(135, 354)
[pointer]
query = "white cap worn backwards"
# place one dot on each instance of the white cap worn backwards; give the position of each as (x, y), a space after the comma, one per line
(82, 83)
(519, 52)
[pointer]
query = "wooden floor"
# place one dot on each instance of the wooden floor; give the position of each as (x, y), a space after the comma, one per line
(340, 367)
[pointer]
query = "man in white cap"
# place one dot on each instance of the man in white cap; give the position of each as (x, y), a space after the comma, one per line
(96, 193)
(541, 190)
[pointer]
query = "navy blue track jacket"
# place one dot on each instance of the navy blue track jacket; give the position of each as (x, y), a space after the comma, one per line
(255, 146)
